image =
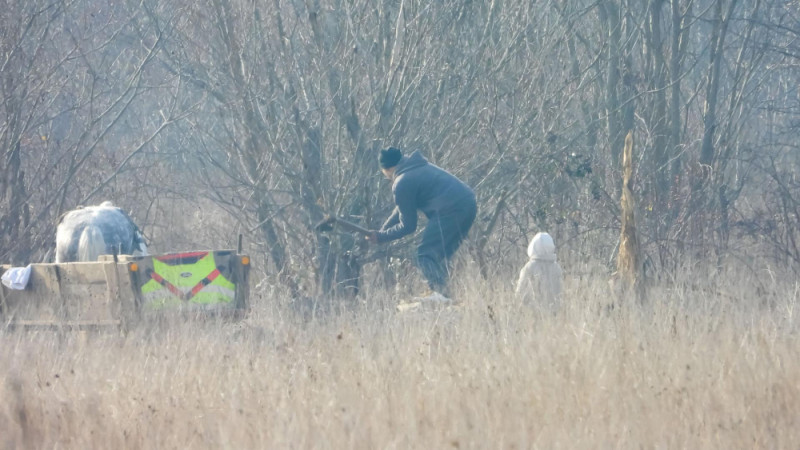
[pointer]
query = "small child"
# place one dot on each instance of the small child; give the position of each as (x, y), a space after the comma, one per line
(540, 279)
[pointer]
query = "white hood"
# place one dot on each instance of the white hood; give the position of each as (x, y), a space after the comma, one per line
(542, 248)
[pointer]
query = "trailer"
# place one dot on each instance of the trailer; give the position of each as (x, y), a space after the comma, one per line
(120, 291)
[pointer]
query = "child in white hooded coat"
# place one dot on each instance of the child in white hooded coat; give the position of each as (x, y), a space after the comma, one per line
(540, 280)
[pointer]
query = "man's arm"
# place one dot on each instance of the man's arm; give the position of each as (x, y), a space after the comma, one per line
(405, 199)
(393, 220)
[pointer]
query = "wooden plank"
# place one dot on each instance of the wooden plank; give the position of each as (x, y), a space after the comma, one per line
(72, 291)
(40, 300)
(112, 289)
(128, 303)
(82, 273)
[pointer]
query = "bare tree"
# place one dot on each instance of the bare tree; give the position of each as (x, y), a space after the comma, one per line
(274, 112)
(74, 118)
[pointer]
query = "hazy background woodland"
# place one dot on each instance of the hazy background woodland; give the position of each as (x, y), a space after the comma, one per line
(210, 118)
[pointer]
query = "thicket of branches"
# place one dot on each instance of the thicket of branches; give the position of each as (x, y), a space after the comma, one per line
(272, 112)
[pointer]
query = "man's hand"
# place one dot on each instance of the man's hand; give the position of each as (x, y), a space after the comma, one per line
(372, 237)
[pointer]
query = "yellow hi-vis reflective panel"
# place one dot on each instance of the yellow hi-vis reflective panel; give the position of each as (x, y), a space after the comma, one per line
(199, 282)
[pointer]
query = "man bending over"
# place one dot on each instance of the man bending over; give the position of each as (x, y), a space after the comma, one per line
(446, 201)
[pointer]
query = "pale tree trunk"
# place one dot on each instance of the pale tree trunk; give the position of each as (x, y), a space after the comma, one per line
(629, 260)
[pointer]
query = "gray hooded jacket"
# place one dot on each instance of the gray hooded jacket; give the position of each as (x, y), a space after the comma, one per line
(420, 185)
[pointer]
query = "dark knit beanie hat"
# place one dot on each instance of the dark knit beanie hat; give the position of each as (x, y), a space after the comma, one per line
(389, 157)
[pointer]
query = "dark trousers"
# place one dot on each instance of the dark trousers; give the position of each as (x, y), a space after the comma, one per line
(440, 240)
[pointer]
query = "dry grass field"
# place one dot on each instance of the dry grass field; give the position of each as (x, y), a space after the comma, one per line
(694, 368)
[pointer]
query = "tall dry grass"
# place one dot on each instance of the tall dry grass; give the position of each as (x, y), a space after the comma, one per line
(697, 366)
